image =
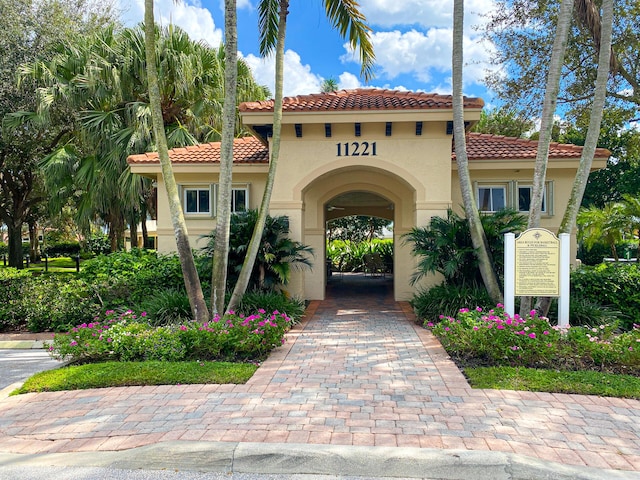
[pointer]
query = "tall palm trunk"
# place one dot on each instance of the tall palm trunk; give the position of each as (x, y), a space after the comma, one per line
(223, 217)
(191, 280)
(593, 133)
(254, 244)
(546, 122)
(478, 237)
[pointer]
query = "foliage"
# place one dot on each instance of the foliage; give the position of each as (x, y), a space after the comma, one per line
(602, 225)
(98, 244)
(494, 338)
(539, 380)
(127, 336)
(447, 300)
(166, 307)
(131, 277)
(349, 256)
(444, 246)
(503, 121)
(610, 284)
(123, 374)
(277, 254)
(356, 228)
(271, 301)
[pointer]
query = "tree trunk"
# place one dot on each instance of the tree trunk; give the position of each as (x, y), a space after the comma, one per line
(254, 244)
(133, 233)
(223, 217)
(546, 122)
(14, 233)
(145, 231)
(478, 236)
(591, 140)
(34, 245)
(191, 280)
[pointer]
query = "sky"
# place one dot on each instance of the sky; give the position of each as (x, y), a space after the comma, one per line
(411, 39)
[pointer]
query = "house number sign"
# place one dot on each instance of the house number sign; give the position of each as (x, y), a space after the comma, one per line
(356, 149)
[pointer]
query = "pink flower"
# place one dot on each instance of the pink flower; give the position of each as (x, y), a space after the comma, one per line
(500, 326)
(183, 327)
(430, 324)
(476, 328)
(478, 309)
(73, 343)
(446, 329)
(500, 305)
(532, 335)
(546, 332)
(143, 314)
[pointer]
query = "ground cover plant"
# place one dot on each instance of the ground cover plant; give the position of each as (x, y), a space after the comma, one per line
(493, 338)
(127, 336)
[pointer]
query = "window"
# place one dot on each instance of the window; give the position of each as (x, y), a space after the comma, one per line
(197, 200)
(524, 199)
(239, 200)
(491, 199)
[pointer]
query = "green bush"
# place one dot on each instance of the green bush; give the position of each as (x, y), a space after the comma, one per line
(447, 300)
(4, 248)
(255, 301)
(12, 285)
(613, 285)
(98, 244)
(492, 338)
(127, 336)
(349, 256)
(167, 307)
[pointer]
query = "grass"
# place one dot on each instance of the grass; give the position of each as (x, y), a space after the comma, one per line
(538, 380)
(120, 374)
(56, 264)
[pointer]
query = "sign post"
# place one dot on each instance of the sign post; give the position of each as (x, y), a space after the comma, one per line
(536, 264)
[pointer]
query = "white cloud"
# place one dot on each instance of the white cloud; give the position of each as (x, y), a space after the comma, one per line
(298, 78)
(425, 55)
(191, 17)
(348, 81)
(426, 13)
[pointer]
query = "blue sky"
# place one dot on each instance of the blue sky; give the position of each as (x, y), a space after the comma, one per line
(412, 42)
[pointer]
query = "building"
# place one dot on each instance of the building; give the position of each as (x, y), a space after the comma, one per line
(361, 152)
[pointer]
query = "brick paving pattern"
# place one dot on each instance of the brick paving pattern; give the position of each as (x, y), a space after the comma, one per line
(357, 371)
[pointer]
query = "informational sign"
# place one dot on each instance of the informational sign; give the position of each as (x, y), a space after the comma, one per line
(537, 264)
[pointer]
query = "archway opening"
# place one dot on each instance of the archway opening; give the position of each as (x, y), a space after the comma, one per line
(359, 244)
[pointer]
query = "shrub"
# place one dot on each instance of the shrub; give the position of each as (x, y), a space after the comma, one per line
(447, 300)
(474, 337)
(127, 336)
(613, 285)
(271, 302)
(4, 248)
(98, 244)
(349, 256)
(167, 307)
(12, 284)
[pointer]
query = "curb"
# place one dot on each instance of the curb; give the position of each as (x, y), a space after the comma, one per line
(338, 460)
(24, 344)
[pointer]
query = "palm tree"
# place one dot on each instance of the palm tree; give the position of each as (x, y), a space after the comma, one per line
(478, 237)
(631, 206)
(191, 280)
(546, 121)
(602, 225)
(347, 18)
(223, 217)
(329, 85)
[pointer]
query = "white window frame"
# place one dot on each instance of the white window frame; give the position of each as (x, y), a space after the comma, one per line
(547, 197)
(236, 188)
(198, 188)
(492, 186)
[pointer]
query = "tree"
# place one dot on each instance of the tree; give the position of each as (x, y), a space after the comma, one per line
(357, 228)
(191, 279)
(32, 29)
(503, 121)
(476, 231)
(223, 217)
(345, 16)
(602, 225)
(329, 85)
(523, 32)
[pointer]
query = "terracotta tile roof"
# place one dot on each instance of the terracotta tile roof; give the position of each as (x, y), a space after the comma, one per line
(362, 99)
(481, 146)
(245, 150)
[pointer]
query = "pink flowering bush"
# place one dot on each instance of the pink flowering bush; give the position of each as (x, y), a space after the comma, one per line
(128, 337)
(475, 337)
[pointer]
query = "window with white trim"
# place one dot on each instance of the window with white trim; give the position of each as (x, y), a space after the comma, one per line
(491, 198)
(197, 200)
(239, 199)
(524, 198)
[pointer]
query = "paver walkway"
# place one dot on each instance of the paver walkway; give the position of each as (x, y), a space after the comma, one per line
(356, 372)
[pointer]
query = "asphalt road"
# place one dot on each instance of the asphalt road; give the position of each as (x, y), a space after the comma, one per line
(18, 365)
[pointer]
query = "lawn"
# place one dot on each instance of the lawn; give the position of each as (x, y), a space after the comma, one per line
(55, 264)
(121, 374)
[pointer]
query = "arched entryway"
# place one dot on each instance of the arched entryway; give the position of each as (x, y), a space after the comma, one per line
(359, 254)
(358, 190)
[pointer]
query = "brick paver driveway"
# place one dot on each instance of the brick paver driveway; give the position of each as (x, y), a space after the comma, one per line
(356, 372)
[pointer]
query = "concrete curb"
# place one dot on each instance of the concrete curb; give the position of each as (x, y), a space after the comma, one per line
(24, 344)
(301, 459)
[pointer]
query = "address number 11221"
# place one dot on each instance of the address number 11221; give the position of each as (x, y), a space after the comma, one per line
(356, 149)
